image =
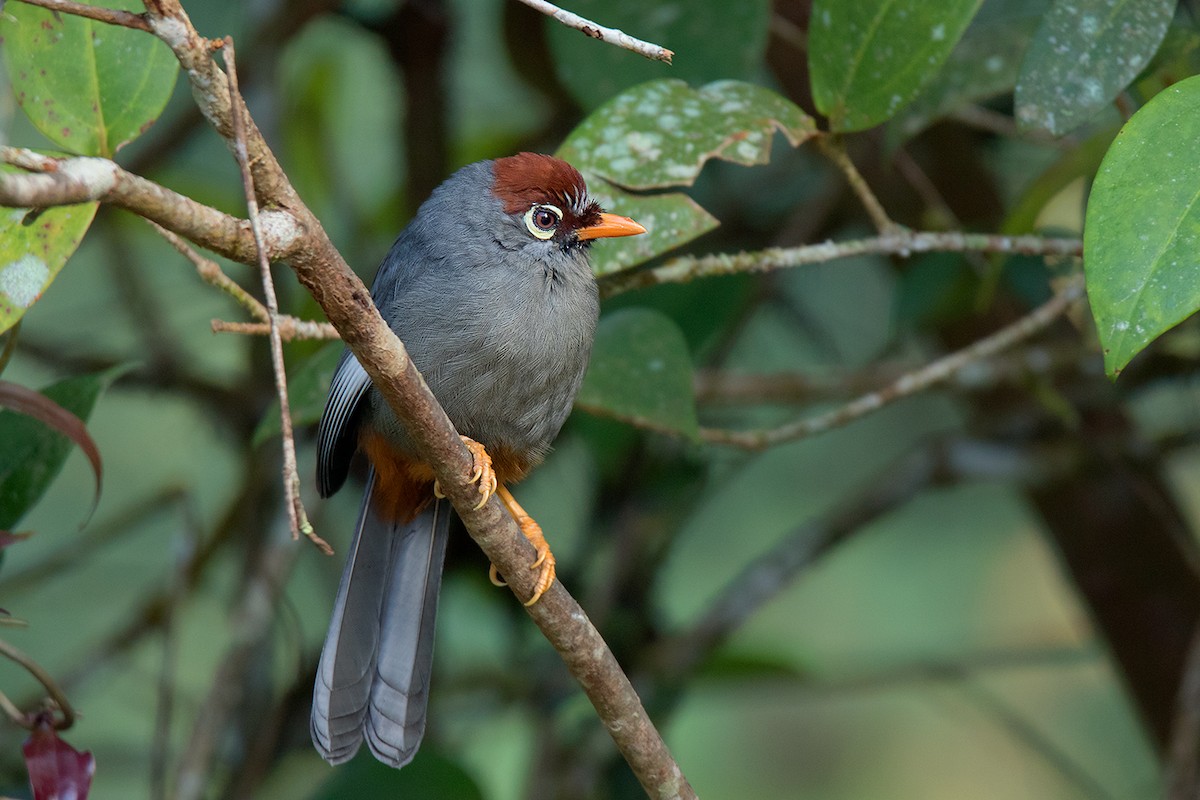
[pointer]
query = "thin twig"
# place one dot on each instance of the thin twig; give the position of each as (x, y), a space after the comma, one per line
(833, 149)
(933, 373)
(612, 36)
(290, 328)
(291, 475)
(126, 19)
(252, 623)
(56, 694)
(903, 243)
(211, 273)
(764, 577)
(160, 748)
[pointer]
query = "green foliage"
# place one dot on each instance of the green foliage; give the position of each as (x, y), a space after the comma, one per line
(1143, 226)
(712, 39)
(649, 530)
(33, 453)
(659, 135)
(869, 58)
(34, 246)
(1083, 55)
(88, 86)
(983, 65)
(641, 371)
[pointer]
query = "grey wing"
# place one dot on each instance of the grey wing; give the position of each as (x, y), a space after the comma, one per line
(337, 433)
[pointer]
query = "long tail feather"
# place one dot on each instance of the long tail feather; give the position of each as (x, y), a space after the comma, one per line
(373, 678)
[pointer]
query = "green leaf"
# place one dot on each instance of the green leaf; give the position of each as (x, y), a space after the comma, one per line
(37, 406)
(983, 65)
(34, 246)
(660, 134)
(1142, 230)
(1083, 55)
(88, 86)
(641, 372)
(869, 58)
(33, 453)
(308, 384)
(712, 40)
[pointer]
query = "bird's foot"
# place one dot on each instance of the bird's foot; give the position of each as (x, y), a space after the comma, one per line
(544, 562)
(482, 472)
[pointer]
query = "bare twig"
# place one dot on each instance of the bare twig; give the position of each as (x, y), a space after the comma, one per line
(126, 19)
(902, 242)
(252, 622)
(291, 476)
(835, 151)
(67, 181)
(933, 373)
(289, 328)
(612, 36)
(211, 273)
(160, 749)
(56, 694)
(764, 577)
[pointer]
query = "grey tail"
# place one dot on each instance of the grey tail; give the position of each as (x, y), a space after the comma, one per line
(373, 679)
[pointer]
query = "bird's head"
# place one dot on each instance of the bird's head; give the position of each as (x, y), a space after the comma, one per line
(548, 200)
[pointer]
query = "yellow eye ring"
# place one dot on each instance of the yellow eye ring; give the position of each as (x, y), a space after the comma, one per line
(543, 219)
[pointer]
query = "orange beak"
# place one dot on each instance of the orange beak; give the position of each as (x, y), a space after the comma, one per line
(610, 225)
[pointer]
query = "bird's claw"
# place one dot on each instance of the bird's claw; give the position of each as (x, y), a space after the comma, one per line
(544, 562)
(482, 473)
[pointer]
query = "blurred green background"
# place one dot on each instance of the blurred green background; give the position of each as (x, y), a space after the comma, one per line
(939, 651)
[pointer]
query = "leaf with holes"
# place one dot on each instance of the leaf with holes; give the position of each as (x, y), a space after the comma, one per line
(88, 86)
(641, 372)
(1142, 231)
(870, 58)
(660, 134)
(34, 246)
(1083, 55)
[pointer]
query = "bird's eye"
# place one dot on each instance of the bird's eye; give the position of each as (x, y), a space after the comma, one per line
(542, 220)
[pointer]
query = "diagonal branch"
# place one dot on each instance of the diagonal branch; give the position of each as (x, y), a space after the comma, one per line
(66, 181)
(347, 304)
(612, 36)
(126, 19)
(909, 384)
(899, 242)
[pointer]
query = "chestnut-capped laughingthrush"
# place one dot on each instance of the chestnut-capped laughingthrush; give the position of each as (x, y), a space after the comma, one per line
(490, 289)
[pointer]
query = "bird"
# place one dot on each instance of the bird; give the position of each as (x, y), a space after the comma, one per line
(491, 291)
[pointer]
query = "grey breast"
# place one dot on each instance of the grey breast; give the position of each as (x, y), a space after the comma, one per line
(501, 331)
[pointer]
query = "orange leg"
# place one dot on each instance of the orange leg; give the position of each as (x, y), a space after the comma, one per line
(483, 473)
(533, 532)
